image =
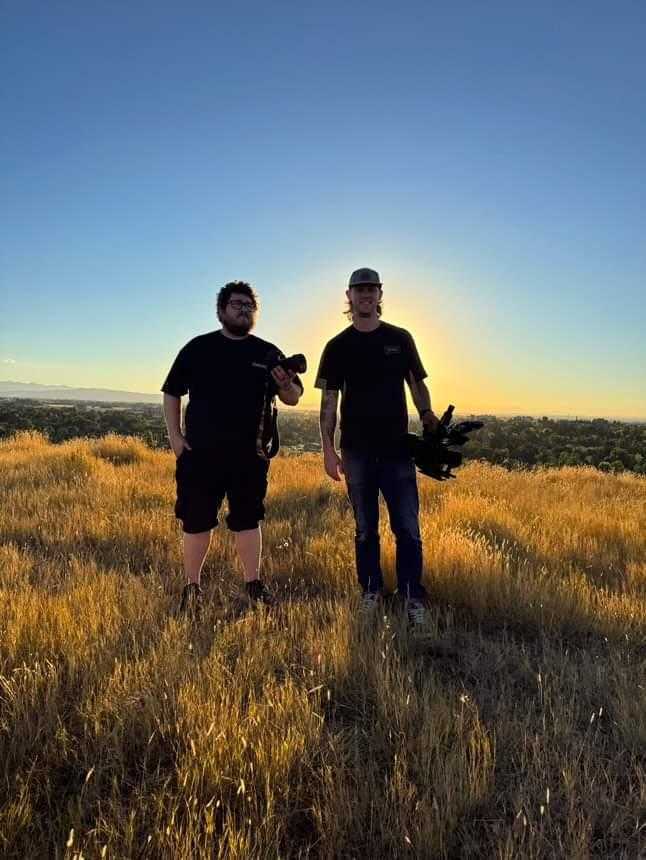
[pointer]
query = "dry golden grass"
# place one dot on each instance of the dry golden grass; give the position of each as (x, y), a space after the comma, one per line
(514, 727)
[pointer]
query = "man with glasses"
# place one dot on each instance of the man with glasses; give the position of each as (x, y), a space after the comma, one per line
(369, 362)
(231, 392)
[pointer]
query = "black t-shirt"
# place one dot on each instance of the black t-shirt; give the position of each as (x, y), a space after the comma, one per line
(369, 369)
(228, 385)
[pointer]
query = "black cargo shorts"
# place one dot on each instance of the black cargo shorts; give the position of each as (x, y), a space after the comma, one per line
(205, 477)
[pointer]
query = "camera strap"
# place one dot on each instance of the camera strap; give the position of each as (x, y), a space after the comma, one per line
(267, 437)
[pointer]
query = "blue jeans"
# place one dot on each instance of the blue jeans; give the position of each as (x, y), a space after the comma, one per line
(366, 474)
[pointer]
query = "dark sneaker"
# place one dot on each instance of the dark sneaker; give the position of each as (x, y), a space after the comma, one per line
(257, 592)
(416, 612)
(191, 602)
(369, 603)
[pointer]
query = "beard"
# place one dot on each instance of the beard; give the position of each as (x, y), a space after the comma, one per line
(239, 326)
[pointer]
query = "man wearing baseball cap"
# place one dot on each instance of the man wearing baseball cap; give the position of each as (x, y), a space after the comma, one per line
(368, 362)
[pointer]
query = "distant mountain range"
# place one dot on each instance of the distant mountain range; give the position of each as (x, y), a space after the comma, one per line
(34, 391)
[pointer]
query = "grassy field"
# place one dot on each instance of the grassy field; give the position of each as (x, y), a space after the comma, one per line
(515, 726)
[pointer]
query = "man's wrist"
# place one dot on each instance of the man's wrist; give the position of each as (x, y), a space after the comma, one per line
(290, 393)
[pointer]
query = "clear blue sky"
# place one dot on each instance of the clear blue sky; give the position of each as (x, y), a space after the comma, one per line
(489, 159)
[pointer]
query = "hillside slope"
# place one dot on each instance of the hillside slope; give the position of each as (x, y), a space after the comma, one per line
(515, 726)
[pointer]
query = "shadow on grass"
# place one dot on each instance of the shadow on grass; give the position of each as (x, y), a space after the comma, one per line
(111, 553)
(141, 553)
(519, 554)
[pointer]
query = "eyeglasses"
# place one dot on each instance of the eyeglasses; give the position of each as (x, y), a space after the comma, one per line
(237, 305)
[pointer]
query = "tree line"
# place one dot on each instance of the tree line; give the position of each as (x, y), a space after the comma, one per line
(517, 442)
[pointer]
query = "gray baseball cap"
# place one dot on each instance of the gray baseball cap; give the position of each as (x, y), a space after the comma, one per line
(364, 276)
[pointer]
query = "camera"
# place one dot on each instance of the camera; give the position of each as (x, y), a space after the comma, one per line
(268, 438)
(296, 363)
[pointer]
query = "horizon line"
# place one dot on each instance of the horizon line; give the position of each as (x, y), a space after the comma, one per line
(570, 416)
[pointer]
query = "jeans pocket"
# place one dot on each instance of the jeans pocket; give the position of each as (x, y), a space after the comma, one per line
(181, 461)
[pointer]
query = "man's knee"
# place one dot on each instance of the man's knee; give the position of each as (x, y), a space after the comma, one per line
(406, 531)
(366, 535)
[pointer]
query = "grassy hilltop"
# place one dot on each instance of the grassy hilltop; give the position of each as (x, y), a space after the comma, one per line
(516, 727)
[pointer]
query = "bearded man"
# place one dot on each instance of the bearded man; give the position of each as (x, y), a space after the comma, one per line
(223, 449)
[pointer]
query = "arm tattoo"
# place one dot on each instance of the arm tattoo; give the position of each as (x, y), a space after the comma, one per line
(329, 400)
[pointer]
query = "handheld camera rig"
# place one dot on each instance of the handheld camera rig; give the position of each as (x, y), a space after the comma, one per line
(432, 451)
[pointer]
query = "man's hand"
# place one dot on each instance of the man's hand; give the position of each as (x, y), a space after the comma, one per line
(283, 378)
(178, 443)
(430, 421)
(333, 465)
(288, 393)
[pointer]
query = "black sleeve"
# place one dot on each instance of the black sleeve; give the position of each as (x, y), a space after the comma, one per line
(330, 372)
(178, 381)
(415, 365)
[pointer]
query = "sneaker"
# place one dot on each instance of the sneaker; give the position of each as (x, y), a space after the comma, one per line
(257, 592)
(191, 602)
(369, 602)
(416, 612)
